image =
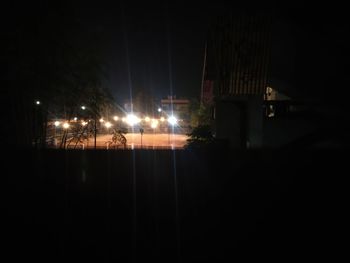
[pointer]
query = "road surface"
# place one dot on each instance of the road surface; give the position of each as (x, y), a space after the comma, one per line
(157, 140)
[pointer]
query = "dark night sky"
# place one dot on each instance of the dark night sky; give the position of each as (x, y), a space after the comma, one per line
(160, 38)
(310, 44)
(163, 37)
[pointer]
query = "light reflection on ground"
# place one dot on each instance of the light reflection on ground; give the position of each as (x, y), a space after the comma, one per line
(162, 140)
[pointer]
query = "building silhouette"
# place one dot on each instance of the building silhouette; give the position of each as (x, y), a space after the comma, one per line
(237, 63)
(269, 78)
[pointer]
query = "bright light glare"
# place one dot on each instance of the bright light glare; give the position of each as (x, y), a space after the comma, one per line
(154, 124)
(131, 119)
(172, 120)
(115, 118)
(108, 124)
(57, 123)
(66, 125)
(147, 119)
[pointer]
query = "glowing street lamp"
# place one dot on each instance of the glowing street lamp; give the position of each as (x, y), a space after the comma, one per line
(131, 119)
(154, 124)
(172, 120)
(56, 123)
(108, 124)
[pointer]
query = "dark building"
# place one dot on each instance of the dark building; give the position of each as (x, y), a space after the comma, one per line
(273, 81)
(238, 56)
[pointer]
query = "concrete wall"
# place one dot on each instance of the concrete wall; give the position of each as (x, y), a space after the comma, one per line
(280, 132)
(254, 122)
(240, 120)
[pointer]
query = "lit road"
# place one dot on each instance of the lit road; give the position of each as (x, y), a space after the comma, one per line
(149, 140)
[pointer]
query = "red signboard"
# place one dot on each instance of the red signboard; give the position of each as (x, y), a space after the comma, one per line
(208, 88)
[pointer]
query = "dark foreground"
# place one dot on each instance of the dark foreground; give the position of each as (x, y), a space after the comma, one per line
(174, 206)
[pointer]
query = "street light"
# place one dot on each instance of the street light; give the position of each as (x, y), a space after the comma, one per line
(154, 124)
(131, 119)
(141, 132)
(57, 123)
(172, 120)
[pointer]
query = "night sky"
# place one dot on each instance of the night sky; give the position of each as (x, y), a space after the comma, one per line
(160, 44)
(157, 47)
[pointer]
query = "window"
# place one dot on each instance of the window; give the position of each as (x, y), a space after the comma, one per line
(271, 111)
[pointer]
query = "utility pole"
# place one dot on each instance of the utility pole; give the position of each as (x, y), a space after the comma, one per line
(203, 74)
(95, 131)
(168, 136)
(141, 131)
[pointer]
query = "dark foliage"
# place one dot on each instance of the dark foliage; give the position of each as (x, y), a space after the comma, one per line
(200, 136)
(56, 59)
(174, 206)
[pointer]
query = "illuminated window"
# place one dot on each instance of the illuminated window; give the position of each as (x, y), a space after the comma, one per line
(271, 111)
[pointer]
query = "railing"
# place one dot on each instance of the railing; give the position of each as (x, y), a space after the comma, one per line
(116, 147)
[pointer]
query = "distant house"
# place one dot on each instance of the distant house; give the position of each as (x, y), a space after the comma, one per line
(247, 112)
(276, 103)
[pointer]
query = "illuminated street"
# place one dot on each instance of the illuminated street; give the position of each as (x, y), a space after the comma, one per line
(149, 141)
